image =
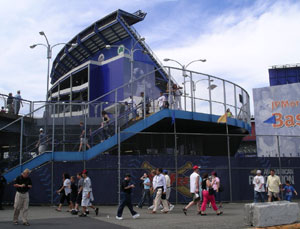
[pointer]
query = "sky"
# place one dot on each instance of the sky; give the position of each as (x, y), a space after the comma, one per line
(240, 39)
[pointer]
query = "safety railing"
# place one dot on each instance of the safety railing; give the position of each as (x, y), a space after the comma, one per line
(123, 106)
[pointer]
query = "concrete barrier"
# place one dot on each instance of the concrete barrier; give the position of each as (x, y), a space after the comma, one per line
(271, 214)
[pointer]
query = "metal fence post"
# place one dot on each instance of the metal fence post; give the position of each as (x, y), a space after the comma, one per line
(52, 157)
(21, 142)
(229, 163)
(279, 162)
(85, 140)
(209, 94)
(119, 165)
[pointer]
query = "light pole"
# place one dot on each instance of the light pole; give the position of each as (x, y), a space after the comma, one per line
(49, 56)
(210, 88)
(184, 67)
(131, 54)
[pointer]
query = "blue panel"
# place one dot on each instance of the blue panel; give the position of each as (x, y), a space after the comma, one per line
(286, 75)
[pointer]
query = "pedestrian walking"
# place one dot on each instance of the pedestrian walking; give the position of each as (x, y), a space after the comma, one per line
(289, 190)
(83, 138)
(177, 97)
(208, 195)
(153, 174)
(23, 184)
(168, 192)
(79, 194)
(194, 190)
(146, 191)
(65, 192)
(216, 184)
(74, 193)
(126, 188)
(42, 142)
(162, 101)
(161, 188)
(87, 195)
(10, 103)
(18, 102)
(259, 187)
(273, 186)
(2, 189)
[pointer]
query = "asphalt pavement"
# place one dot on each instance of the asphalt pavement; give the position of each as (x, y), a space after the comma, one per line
(46, 217)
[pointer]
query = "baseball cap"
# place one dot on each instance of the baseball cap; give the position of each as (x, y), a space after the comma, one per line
(41, 129)
(196, 167)
(258, 171)
(84, 171)
(165, 171)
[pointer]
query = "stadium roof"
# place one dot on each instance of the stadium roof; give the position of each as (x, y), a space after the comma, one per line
(105, 31)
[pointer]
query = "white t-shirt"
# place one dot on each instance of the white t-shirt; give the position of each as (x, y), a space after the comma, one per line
(87, 185)
(259, 183)
(161, 101)
(168, 181)
(67, 186)
(193, 179)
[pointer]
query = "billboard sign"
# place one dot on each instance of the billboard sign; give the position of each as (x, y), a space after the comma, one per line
(277, 112)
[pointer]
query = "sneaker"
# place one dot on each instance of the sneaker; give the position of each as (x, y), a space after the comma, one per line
(87, 212)
(82, 215)
(184, 211)
(97, 211)
(171, 207)
(137, 215)
(16, 222)
(119, 218)
(26, 224)
(160, 206)
(151, 207)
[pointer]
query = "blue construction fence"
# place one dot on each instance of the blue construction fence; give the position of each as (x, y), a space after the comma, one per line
(103, 171)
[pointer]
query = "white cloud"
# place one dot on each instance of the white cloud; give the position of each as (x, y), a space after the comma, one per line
(239, 45)
(241, 49)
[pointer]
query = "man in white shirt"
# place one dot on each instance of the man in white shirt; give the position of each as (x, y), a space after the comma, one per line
(160, 186)
(161, 101)
(194, 190)
(168, 193)
(273, 185)
(87, 195)
(259, 187)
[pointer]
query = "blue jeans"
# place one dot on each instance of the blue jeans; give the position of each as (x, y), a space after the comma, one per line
(146, 195)
(288, 197)
(125, 201)
(259, 195)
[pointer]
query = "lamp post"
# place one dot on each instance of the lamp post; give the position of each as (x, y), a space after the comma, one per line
(49, 55)
(131, 54)
(210, 88)
(184, 67)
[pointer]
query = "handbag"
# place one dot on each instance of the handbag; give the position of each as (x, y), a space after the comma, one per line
(211, 191)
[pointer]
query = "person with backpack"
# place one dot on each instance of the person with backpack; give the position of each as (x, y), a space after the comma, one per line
(217, 187)
(208, 195)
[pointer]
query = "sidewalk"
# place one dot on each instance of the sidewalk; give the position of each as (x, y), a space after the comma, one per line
(46, 217)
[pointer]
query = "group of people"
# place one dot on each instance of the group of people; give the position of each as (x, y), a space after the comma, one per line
(204, 189)
(273, 187)
(77, 194)
(160, 186)
(13, 103)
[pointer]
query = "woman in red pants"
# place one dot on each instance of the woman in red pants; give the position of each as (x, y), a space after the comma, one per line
(208, 196)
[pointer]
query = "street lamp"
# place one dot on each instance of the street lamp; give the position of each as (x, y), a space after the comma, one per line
(131, 54)
(210, 88)
(49, 55)
(184, 67)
